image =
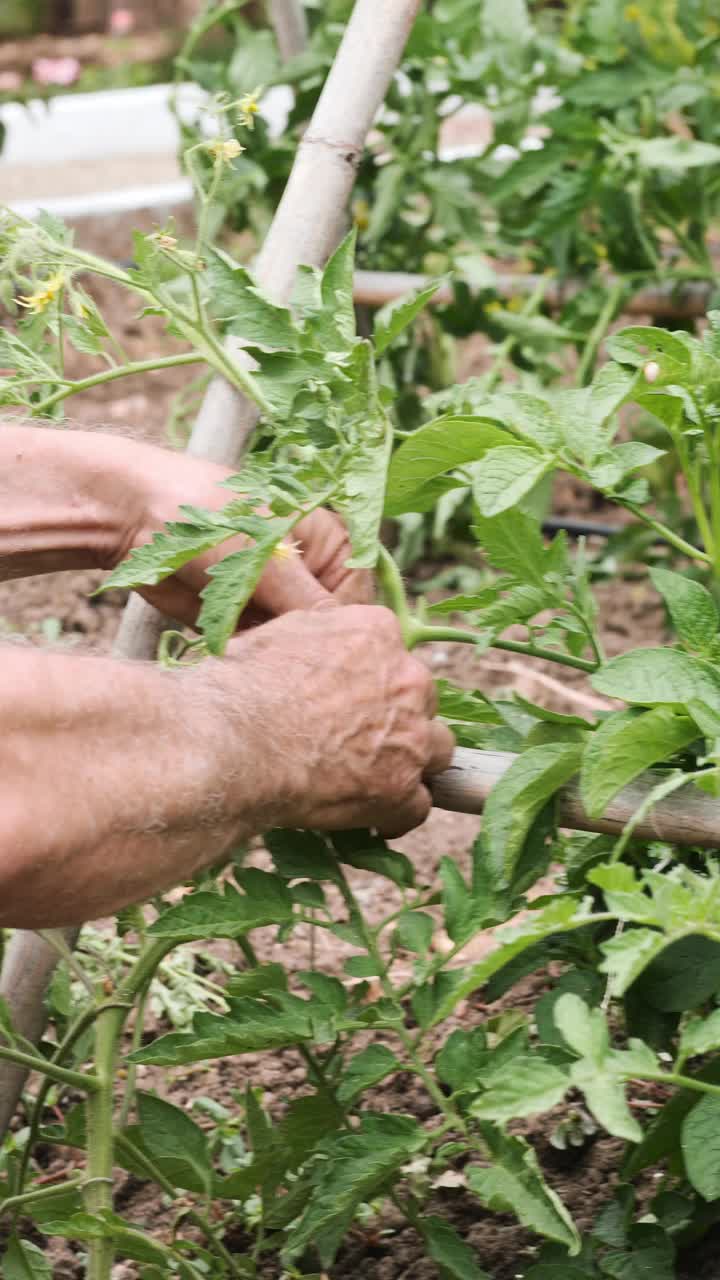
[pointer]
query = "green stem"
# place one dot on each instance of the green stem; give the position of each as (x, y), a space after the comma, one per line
(110, 375)
(13, 1203)
(393, 592)
(678, 1080)
(598, 331)
(77, 1079)
(420, 633)
(98, 1192)
(687, 549)
(72, 1035)
(506, 348)
(193, 1215)
(663, 789)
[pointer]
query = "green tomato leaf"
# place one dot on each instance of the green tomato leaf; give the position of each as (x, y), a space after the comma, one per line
(301, 855)
(701, 1147)
(166, 553)
(517, 799)
(514, 1184)
(23, 1260)
(692, 609)
(365, 1069)
(700, 1036)
(175, 1143)
(453, 1257)
(529, 1086)
(364, 492)
(626, 744)
(369, 852)
(236, 301)
(353, 1169)
(209, 915)
(657, 677)
(507, 474)
(391, 320)
(677, 154)
(433, 450)
(414, 931)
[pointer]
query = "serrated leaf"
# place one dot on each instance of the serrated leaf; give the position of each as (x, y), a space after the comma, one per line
(366, 1068)
(464, 912)
(452, 1255)
(250, 1026)
(232, 915)
(363, 500)
(232, 582)
(507, 474)
(530, 1086)
(391, 320)
(414, 931)
(513, 543)
(165, 554)
(433, 450)
(626, 744)
(301, 854)
(257, 981)
(514, 1184)
(516, 800)
(692, 609)
(355, 1167)
(369, 852)
(236, 301)
(336, 290)
(628, 955)
(462, 1059)
(675, 153)
(108, 1226)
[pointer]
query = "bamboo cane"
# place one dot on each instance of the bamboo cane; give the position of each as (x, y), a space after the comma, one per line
(670, 301)
(307, 225)
(689, 818)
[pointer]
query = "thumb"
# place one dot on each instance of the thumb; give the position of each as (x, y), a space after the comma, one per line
(287, 584)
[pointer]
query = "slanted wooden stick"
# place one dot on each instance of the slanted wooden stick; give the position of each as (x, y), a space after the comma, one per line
(306, 228)
(288, 19)
(690, 817)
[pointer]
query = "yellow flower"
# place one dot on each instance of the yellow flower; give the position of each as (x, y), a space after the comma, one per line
(224, 150)
(46, 293)
(286, 550)
(632, 13)
(248, 108)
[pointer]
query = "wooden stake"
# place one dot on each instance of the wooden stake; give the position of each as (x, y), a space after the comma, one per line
(690, 817)
(288, 19)
(306, 228)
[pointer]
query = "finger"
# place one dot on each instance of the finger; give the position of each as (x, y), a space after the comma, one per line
(357, 588)
(442, 747)
(174, 599)
(287, 585)
(407, 816)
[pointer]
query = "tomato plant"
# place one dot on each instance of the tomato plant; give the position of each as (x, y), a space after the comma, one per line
(632, 926)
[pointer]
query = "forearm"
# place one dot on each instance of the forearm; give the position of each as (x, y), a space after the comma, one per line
(59, 492)
(116, 782)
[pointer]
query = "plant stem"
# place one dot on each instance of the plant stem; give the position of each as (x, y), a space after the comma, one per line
(424, 634)
(687, 549)
(393, 592)
(193, 1215)
(680, 1081)
(99, 1185)
(78, 1079)
(13, 1203)
(598, 331)
(110, 375)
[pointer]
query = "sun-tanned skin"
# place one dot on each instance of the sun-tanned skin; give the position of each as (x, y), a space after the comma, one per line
(119, 779)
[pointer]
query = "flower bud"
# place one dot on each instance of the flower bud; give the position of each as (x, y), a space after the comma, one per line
(651, 371)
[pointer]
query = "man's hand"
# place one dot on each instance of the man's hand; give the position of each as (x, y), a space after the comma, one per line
(312, 575)
(80, 500)
(348, 722)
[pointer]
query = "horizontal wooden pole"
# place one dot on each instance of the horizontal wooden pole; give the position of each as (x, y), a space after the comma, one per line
(672, 300)
(689, 817)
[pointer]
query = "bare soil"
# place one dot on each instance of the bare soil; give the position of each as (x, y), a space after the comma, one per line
(631, 615)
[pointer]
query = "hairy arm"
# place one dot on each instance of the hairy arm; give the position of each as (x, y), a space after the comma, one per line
(118, 780)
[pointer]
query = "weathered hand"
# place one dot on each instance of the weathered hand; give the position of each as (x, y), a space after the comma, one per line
(346, 728)
(310, 577)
